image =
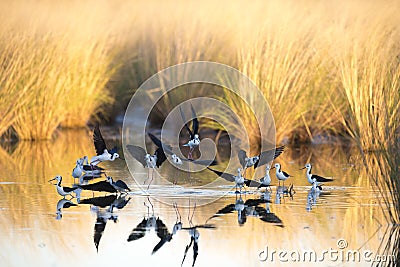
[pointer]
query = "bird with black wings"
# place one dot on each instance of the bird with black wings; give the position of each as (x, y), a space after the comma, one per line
(194, 140)
(102, 152)
(259, 160)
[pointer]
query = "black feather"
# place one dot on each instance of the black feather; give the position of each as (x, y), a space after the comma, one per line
(98, 140)
(103, 186)
(138, 153)
(269, 155)
(195, 122)
(226, 176)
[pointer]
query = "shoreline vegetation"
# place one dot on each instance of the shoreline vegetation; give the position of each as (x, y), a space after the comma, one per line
(327, 68)
(330, 67)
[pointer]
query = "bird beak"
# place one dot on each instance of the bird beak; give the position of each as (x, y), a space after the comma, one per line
(303, 168)
(121, 158)
(51, 180)
(273, 167)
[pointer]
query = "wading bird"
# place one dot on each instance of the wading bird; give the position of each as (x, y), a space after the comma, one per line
(147, 160)
(194, 133)
(239, 180)
(119, 185)
(103, 153)
(281, 175)
(266, 180)
(64, 190)
(313, 178)
(86, 169)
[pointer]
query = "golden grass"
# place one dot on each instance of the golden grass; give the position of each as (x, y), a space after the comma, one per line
(54, 74)
(320, 65)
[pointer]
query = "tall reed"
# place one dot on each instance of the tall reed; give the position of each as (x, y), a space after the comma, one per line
(369, 70)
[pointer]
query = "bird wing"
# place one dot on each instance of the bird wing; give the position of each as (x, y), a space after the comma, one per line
(161, 157)
(253, 202)
(167, 148)
(195, 121)
(92, 168)
(69, 189)
(98, 140)
(122, 184)
(121, 202)
(161, 229)
(195, 252)
(225, 210)
(268, 217)
(268, 156)
(99, 227)
(162, 233)
(138, 153)
(251, 183)
(205, 162)
(321, 179)
(286, 174)
(161, 243)
(242, 157)
(226, 176)
(186, 250)
(139, 231)
(102, 186)
(186, 124)
(101, 202)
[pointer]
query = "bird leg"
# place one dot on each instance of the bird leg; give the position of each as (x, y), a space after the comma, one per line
(190, 153)
(152, 176)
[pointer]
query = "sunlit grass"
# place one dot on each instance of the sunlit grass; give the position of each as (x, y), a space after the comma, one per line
(321, 66)
(52, 74)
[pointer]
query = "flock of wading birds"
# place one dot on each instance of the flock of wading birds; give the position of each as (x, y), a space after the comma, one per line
(85, 170)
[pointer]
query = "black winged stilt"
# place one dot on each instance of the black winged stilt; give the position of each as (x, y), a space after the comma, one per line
(64, 190)
(313, 178)
(194, 133)
(281, 175)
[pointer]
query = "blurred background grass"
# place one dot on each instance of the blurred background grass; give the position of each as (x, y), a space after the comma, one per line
(327, 68)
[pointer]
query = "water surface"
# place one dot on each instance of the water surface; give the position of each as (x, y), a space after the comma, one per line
(33, 232)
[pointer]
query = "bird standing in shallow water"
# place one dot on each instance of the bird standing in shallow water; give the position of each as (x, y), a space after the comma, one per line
(313, 178)
(147, 160)
(266, 180)
(64, 190)
(281, 175)
(239, 180)
(103, 153)
(194, 133)
(119, 185)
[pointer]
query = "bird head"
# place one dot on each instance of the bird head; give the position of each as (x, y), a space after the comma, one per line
(307, 166)
(277, 166)
(196, 136)
(58, 178)
(268, 167)
(147, 156)
(109, 179)
(239, 170)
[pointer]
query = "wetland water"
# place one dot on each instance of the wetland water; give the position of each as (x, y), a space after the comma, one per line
(345, 217)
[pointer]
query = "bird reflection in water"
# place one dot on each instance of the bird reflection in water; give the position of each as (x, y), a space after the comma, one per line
(251, 208)
(153, 222)
(282, 192)
(103, 207)
(194, 235)
(63, 203)
(313, 195)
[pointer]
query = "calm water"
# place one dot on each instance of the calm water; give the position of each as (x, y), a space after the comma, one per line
(33, 232)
